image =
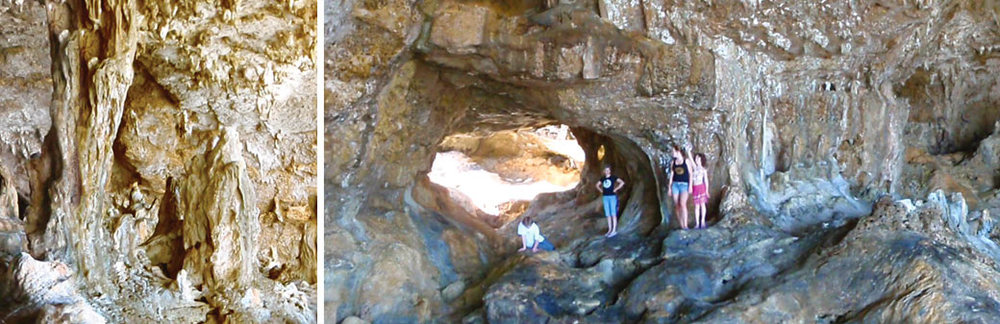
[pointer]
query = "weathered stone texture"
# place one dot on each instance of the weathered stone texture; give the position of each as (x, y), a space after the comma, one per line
(159, 151)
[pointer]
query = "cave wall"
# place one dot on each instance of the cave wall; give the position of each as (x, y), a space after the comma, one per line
(26, 88)
(808, 112)
(177, 178)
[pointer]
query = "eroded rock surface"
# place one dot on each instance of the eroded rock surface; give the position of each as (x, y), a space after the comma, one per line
(163, 154)
(47, 289)
(25, 88)
(817, 118)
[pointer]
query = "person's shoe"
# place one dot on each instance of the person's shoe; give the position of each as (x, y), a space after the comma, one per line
(612, 234)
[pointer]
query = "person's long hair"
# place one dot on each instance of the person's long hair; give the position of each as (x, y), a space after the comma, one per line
(683, 154)
(701, 158)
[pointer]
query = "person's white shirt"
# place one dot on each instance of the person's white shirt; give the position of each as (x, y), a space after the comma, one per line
(530, 234)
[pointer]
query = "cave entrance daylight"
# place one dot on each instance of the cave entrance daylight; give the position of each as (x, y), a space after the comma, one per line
(497, 174)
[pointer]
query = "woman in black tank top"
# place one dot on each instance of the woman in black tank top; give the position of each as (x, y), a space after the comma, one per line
(679, 186)
(681, 171)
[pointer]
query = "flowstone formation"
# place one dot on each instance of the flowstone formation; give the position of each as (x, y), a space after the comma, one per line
(159, 161)
(852, 147)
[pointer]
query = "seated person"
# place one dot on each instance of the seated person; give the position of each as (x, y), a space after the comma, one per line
(532, 236)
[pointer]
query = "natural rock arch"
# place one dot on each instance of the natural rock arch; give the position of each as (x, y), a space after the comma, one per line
(809, 113)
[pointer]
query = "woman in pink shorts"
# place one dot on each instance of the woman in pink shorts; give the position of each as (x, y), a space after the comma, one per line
(699, 189)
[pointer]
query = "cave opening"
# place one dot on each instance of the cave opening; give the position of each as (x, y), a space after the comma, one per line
(497, 174)
(504, 152)
(483, 179)
(508, 165)
(490, 137)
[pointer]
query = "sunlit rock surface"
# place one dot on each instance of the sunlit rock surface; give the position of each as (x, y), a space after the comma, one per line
(25, 88)
(160, 158)
(819, 120)
(495, 176)
(46, 290)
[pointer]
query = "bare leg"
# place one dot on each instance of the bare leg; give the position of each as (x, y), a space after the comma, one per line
(695, 215)
(684, 210)
(609, 226)
(697, 220)
(677, 211)
(614, 225)
(704, 212)
(701, 215)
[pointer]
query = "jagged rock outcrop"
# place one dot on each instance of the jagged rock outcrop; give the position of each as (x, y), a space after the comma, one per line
(47, 289)
(809, 114)
(167, 157)
(901, 264)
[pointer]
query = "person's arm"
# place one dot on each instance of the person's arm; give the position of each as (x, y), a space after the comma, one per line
(670, 181)
(522, 231)
(689, 161)
(598, 186)
(536, 234)
(619, 184)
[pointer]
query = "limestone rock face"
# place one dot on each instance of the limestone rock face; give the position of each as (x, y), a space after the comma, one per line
(916, 263)
(217, 205)
(25, 89)
(12, 238)
(47, 289)
(164, 152)
(809, 113)
(459, 28)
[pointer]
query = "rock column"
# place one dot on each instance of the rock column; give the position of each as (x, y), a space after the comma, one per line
(94, 46)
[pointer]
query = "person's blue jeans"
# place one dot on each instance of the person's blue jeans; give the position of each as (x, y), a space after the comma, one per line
(545, 245)
(610, 206)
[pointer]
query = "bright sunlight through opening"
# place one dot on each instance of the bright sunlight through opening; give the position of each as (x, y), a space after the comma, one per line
(503, 167)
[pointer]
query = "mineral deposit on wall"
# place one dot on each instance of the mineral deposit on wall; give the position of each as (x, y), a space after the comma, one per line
(158, 161)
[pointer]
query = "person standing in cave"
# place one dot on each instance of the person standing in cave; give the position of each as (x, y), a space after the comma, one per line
(699, 189)
(678, 188)
(609, 186)
(531, 236)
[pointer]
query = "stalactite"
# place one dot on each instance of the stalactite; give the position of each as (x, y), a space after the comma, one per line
(155, 105)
